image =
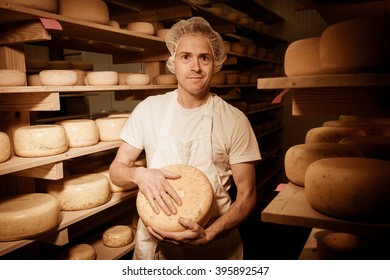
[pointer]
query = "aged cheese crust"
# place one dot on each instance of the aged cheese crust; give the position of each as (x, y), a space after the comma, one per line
(5, 146)
(325, 134)
(196, 194)
(81, 251)
(28, 215)
(81, 132)
(81, 191)
(118, 236)
(110, 127)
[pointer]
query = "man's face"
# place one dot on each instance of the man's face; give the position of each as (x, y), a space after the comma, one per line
(194, 64)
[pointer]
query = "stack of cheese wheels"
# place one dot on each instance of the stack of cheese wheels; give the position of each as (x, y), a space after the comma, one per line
(331, 134)
(352, 188)
(80, 132)
(299, 157)
(195, 191)
(81, 251)
(369, 127)
(118, 236)
(58, 77)
(12, 77)
(28, 215)
(88, 10)
(44, 5)
(110, 128)
(81, 191)
(141, 27)
(165, 79)
(40, 140)
(302, 57)
(372, 146)
(363, 50)
(5, 147)
(137, 79)
(102, 78)
(344, 246)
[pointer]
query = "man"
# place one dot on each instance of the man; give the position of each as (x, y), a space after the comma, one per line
(190, 126)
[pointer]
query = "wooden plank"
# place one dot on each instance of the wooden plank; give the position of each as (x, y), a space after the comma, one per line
(318, 81)
(340, 101)
(37, 101)
(52, 171)
(23, 32)
(12, 57)
(309, 251)
(290, 207)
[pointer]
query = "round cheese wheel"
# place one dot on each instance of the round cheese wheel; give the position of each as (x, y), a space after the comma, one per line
(165, 79)
(81, 132)
(299, 157)
(5, 147)
(88, 10)
(232, 78)
(344, 246)
(239, 47)
(141, 27)
(110, 128)
(81, 251)
(60, 65)
(40, 140)
(28, 215)
(37, 64)
(44, 5)
(196, 194)
(162, 33)
(12, 77)
(351, 188)
(80, 191)
(58, 77)
(218, 78)
(34, 80)
(118, 236)
(302, 58)
(102, 78)
(232, 16)
(331, 134)
(137, 79)
(114, 23)
(372, 146)
(368, 127)
(356, 45)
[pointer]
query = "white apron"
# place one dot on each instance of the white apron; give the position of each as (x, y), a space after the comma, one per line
(199, 153)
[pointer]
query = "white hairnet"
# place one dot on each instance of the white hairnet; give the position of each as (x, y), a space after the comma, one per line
(195, 26)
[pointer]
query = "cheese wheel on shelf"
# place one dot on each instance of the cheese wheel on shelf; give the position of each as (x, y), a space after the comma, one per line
(58, 77)
(80, 132)
(351, 188)
(12, 77)
(356, 45)
(218, 78)
(165, 79)
(28, 215)
(302, 58)
(88, 10)
(137, 79)
(114, 23)
(102, 78)
(369, 127)
(5, 147)
(141, 27)
(81, 251)
(110, 128)
(118, 236)
(299, 157)
(372, 146)
(40, 140)
(196, 193)
(44, 5)
(232, 78)
(81, 191)
(34, 80)
(331, 134)
(344, 246)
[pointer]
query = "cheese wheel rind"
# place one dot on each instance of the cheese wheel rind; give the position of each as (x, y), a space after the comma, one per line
(102, 78)
(80, 191)
(110, 128)
(141, 27)
(40, 140)
(44, 5)
(331, 134)
(88, 10)
(12, 77)
(5, 147)
(58, 77)
(27, 215)
(349, 187)
(81, 251)
(196, 193)
(299, 157)
(80, 132)
(372, 146)
(118, 236)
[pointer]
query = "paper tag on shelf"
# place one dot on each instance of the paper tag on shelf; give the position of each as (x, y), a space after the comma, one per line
(280, 187)
(49, 23)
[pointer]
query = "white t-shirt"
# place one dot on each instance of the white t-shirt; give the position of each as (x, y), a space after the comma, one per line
(232, 136)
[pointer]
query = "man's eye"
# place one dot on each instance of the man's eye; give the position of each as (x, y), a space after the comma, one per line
(185, 57)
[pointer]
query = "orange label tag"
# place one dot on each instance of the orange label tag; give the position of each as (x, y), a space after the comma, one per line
(49, 23)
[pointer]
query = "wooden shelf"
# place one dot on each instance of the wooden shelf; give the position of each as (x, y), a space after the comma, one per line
(326, 81)
(68, 218)
(290, 207)
(16, 163)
